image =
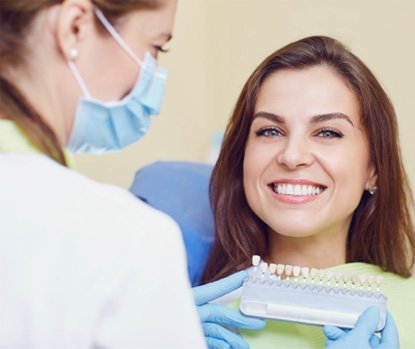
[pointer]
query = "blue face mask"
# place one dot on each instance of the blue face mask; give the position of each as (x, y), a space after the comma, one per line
(101, 127)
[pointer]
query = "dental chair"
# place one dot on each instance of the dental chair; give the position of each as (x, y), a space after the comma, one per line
(180, 189)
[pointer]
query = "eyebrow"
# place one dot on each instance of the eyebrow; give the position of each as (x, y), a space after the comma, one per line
(314, 119)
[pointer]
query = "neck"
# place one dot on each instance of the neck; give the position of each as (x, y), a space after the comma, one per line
(316, 251)
(45, 79)
(49, 97)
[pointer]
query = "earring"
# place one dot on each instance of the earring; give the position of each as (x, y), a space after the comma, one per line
(372, 189)
(73, 54)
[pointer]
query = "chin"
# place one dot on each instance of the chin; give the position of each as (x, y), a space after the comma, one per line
(293, 231)
(294, 234)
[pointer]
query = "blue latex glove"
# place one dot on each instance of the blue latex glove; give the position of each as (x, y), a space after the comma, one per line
(362, 336)
(212, 316)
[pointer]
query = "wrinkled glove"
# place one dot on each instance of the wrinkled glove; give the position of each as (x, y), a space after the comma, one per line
(362, 336)
(212, 316)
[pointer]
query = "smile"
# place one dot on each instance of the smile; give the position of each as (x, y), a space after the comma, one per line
(297, 189)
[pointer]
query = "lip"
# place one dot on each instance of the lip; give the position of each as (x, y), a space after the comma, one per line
(295, 199)
(298, 181)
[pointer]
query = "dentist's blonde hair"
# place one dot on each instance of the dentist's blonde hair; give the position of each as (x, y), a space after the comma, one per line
(381, 231)
(16, 18)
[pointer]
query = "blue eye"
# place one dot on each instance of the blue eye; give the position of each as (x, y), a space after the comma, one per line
(268, 132)
(329, 133)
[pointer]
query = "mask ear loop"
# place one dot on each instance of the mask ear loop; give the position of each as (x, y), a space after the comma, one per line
(108, 26)
(78, 79)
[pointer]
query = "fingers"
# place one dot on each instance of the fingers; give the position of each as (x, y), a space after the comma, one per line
(214, 343)
(206, 293)
(226, 316)
(374, 341)
(221, 337)
(390, 337)
(333, 333)
(367, 323)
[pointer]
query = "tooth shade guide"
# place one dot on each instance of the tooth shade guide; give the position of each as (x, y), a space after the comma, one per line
(255, 260)
(338, 277)
(362, 281)
(325, 278)
(355, 280)
(346, 278)
(264, 267)
(379, 280)
(296, 272)
(280, 270)
(304, 273)
(272, 268)
(273, 297)
(313, 274)
(288, 271)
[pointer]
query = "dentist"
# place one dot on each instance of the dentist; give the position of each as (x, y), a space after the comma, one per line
(84, 264)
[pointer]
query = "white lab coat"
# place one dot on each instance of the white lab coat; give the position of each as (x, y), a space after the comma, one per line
(87, 265)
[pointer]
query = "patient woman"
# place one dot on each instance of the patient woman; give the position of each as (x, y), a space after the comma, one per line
(310, 174)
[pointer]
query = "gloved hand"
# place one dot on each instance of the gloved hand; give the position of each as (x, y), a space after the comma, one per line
(212, 316)
(362, 336)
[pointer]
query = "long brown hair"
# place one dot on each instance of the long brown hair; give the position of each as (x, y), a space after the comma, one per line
(381, 231)
(16, 18)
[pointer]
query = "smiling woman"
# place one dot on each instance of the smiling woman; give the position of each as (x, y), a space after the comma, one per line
(310, 174)
(305, 158)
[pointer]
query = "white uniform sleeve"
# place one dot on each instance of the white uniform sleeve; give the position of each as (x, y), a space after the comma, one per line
(154, 305)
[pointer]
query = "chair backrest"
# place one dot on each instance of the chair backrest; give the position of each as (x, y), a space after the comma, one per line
(181, 190)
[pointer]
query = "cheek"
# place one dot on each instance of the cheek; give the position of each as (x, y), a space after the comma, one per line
(257, 159)
(254, 162)
(349, 171)
(250, 170)
(128, 75)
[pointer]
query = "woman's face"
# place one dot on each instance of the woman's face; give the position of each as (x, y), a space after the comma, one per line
(108, 70)
(306, 160)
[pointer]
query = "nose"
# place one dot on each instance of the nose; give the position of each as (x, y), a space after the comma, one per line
(295, 152)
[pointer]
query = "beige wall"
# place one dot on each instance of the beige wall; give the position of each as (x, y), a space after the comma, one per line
(217, 44)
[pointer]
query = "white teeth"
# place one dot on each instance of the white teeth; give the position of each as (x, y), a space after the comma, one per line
(288, 270)
(263, 266)
(255, 260)
(297, 189)
(296, 271)
(280, 269)
(272, 268)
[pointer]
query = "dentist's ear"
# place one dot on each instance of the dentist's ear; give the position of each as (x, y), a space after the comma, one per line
(74, 21)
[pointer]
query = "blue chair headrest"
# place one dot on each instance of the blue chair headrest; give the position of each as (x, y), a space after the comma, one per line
(181, 190)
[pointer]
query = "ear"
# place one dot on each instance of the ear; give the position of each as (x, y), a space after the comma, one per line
(372, 179)
(74, 20)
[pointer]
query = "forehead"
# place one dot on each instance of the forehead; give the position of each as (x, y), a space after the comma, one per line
(151, 21)
(307, 92)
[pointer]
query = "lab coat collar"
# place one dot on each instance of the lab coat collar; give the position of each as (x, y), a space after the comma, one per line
(14, 140)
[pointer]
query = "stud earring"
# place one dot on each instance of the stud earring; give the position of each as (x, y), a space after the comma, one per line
(372, 189)
(73, 54)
